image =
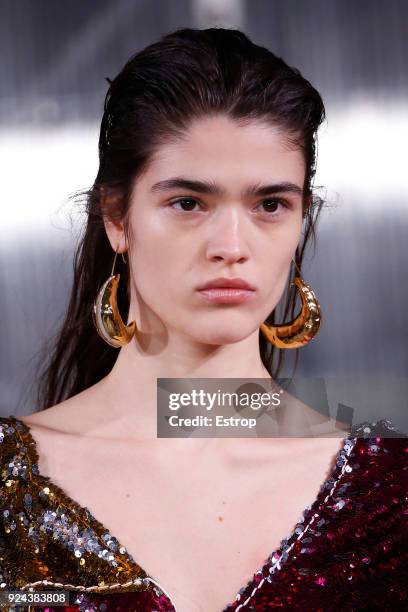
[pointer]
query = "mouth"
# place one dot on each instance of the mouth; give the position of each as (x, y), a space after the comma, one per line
(226, 295)
(227, 290)
(227, 283)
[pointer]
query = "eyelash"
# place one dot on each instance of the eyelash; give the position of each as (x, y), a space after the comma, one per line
(274, 214)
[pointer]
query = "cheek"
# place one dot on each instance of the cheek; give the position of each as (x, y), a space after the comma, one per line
(283, 242)
(279, 253)
(157, 266)
(148, 239)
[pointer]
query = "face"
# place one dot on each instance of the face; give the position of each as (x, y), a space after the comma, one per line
(224, 217)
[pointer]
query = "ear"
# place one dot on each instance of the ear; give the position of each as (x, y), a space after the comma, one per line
(113, 227)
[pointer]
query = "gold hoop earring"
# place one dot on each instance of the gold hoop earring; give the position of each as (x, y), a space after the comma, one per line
(106, 316)
(303, 327)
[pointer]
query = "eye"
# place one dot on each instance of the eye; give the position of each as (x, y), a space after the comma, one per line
(272, 204)
(189, 203)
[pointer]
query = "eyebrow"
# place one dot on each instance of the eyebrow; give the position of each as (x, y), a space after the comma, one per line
(213, 189)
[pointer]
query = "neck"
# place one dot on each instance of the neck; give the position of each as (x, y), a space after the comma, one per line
(129, 392)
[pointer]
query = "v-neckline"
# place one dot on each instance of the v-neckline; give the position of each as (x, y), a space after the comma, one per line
(336, 470)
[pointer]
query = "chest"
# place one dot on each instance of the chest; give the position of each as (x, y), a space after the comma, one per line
(200, 527)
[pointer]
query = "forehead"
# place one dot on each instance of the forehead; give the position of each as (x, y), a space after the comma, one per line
(229, 153)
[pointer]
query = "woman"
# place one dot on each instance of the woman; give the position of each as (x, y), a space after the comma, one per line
(207, 158)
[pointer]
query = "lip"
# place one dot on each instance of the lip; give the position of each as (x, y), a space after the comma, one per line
(226, 295)
(230, 283)
(227, 290)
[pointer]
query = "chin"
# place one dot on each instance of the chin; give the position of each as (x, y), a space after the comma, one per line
(223, 337)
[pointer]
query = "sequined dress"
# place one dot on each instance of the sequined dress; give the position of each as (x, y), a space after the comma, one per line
(348, 551)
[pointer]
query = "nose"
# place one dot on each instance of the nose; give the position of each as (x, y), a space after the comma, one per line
(228, 239)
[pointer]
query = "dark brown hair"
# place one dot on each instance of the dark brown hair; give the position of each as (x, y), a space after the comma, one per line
(187, 74)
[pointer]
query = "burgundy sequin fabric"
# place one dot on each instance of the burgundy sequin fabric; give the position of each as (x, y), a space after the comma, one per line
(348, 550)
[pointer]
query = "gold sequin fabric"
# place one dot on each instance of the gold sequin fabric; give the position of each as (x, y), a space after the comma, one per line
(49, 541)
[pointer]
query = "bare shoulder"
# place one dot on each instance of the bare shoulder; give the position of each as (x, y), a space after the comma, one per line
(72, 416)
(61, 435)
(304, 420)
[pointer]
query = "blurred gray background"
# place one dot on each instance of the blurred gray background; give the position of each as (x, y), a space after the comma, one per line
(55, 57)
